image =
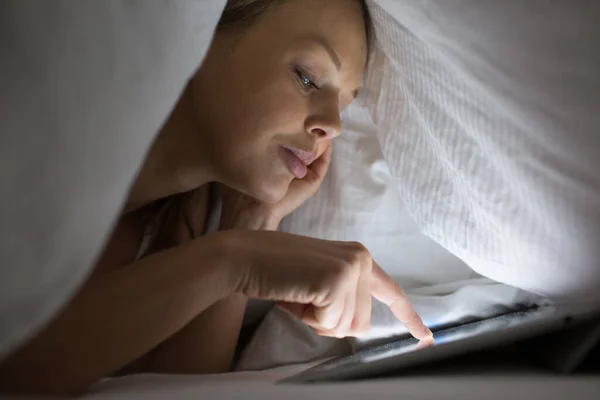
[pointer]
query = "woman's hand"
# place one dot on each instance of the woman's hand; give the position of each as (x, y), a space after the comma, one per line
(328, 285)
(242, 211)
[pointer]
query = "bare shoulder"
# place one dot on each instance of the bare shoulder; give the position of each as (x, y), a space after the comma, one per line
(188, 221)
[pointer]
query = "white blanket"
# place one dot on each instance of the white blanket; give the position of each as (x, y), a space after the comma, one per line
(487, 114)
(85, 86)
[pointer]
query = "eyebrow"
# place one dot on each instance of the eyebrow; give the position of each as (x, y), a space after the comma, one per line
(334, 57)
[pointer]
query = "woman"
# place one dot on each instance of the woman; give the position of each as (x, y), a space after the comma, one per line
(258, 117)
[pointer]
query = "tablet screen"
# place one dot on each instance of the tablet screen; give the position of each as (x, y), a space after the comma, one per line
(441, 337)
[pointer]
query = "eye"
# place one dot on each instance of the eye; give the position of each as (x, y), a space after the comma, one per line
(305, 81)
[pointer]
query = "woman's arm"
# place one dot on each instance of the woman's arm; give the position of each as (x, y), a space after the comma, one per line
(117, 318)
(120, 316)
(207, 344)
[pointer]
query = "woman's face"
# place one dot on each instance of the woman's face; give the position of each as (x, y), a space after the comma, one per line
(268, 97)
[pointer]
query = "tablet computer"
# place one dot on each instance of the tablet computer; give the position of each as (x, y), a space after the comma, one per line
(448, 342)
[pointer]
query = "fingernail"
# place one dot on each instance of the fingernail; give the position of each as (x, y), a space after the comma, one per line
(429, 334)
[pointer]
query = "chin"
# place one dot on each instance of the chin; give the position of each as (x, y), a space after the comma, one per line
(270, 195)
(271, 191)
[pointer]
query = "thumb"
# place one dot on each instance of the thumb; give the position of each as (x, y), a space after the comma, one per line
(295, 309)
(321, 318)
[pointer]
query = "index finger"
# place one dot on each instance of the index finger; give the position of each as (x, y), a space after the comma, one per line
(384, 289)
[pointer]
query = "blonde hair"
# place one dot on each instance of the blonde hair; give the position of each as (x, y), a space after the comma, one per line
(238, 12)
(242, 12)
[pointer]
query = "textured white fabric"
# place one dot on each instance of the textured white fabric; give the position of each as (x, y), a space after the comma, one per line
(358, 201)
(487, 113)
(84, 87)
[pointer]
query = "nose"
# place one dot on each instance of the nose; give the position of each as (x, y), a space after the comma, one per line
(325, 122)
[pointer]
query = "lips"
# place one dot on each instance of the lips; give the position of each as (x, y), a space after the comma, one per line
(307, 157)
(297, 160)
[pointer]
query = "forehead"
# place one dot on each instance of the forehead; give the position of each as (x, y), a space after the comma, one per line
(337, 25)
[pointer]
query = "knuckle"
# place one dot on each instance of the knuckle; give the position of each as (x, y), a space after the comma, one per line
(359, 255)
(349, 266)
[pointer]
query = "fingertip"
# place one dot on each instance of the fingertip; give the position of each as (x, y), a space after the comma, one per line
(422, 333)
(429, 333)
(423, 344)
(414, 324)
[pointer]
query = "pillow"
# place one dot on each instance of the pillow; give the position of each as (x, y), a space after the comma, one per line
(358, 201)
(85, 87)
(487, 114)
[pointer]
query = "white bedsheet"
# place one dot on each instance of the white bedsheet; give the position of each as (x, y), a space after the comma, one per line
(516, 384)
(85, 86)
(487, 115)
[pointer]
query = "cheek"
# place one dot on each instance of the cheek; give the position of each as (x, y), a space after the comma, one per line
(277, 105)
(283, 114)
(248, 124)
(268, 118)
